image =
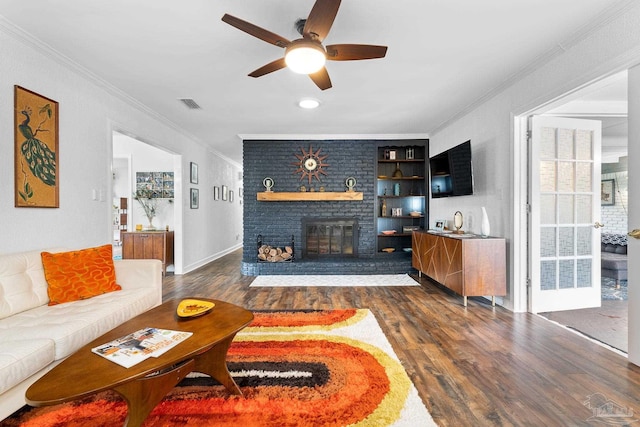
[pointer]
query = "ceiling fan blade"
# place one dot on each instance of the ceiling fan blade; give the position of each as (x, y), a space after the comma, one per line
(352, 52)
(255, 31)
(321, 78)
(269, 68)
(321, 19)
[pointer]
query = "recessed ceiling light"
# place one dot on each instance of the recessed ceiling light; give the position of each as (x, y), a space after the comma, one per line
(308, 103)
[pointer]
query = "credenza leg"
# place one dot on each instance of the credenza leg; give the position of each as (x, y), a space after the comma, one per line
(493, 300)
(464, 299)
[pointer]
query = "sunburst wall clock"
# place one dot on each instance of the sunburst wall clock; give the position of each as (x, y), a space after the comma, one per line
(310, 164)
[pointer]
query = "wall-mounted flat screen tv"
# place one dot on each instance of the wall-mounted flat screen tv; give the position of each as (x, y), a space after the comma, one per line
(452, 172)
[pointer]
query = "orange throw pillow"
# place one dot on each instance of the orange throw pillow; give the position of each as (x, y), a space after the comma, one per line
(81, 274)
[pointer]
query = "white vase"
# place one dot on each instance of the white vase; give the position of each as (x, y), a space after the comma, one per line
(485, 227)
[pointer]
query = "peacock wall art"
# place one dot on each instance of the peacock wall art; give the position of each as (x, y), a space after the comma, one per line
(36, 147)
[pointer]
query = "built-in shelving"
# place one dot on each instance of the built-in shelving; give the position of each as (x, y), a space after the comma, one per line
(401, 188)
(120, 220)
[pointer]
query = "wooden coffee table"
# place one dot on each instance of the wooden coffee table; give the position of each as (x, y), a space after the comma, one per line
(144, 385)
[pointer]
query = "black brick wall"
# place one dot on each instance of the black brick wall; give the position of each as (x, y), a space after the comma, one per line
(277, 221)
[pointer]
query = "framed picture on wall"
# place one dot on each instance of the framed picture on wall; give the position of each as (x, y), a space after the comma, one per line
(195, 198)
(194, 173)
(36, 159)
(225, 192)
(231, 196)
(216, 193)
(607, 192)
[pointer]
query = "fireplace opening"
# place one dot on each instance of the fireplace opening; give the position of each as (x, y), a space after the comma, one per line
(329, 237)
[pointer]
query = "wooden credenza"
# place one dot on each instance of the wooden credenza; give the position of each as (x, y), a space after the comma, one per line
(469, 266)
(148, 245)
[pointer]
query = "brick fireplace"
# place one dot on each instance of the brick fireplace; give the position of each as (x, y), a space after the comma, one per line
(278, 221)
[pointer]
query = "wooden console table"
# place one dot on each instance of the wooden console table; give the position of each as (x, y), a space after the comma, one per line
(148, 245)
(469, 265)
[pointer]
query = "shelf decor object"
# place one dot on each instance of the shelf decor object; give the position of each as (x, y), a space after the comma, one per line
(398, 172)
(457, 222)
(409, 153)
(268, 184)
(350, 183)
(485, 227)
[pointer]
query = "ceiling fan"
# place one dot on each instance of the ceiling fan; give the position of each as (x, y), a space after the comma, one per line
(307, 55)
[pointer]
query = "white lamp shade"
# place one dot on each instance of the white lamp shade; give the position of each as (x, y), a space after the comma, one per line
(304, 57)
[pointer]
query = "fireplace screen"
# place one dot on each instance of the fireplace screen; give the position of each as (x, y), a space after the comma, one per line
(330, 237)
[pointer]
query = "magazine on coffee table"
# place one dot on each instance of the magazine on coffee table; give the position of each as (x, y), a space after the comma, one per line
(133, 348)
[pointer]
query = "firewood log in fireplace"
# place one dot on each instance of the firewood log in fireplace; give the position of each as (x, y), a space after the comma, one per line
(275, 254)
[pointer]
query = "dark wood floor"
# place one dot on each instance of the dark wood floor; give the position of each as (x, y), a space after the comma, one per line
(472, 366)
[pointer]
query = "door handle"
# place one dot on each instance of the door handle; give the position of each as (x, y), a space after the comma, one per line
(598, 225)
(635, 233)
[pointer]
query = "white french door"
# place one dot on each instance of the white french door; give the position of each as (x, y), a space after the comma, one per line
(564, 199)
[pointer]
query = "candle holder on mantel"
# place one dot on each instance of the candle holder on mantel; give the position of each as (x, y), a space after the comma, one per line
(350, 183)
(268, 184)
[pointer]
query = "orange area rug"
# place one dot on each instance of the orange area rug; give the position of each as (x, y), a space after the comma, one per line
(295, 368)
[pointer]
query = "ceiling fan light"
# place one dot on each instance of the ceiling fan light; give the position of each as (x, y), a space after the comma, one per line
(304, 57)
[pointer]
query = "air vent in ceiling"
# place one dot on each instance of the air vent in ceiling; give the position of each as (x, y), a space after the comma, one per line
(190, 103)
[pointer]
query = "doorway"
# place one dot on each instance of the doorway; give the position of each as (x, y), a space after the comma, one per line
(132, 158)
(606, 102)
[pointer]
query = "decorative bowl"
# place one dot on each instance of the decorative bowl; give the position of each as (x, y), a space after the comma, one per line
(407, 249)
(414, 213)
(194, 307)
(388, 250)
(387, 232)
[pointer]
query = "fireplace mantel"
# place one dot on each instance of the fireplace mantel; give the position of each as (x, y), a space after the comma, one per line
(308, 196)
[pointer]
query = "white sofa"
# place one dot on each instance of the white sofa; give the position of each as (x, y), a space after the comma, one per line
(34, 337)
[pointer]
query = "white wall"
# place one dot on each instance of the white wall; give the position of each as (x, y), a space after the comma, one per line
(610, 47)
(89, 112)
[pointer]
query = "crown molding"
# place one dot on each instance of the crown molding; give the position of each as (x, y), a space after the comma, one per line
(43, 48)
(590, 28)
